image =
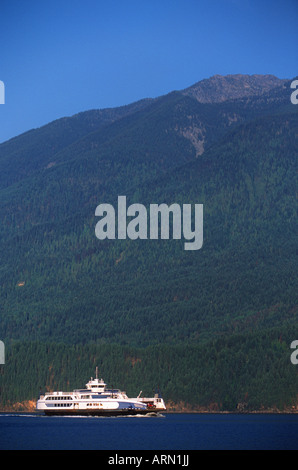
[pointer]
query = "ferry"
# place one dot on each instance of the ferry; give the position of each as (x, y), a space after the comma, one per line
(97, 400)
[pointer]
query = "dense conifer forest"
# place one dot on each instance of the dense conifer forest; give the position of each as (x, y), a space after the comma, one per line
(211, 328)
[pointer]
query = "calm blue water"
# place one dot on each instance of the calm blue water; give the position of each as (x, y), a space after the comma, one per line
(169, 432)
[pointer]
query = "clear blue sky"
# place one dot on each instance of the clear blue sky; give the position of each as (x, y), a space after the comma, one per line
(62, 57)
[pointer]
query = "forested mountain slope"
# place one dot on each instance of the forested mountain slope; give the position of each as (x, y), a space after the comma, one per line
(60, 284)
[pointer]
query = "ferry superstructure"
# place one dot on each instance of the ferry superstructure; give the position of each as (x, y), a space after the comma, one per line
(97, 400)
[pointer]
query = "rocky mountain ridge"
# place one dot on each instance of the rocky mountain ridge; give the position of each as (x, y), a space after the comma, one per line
(220, 88)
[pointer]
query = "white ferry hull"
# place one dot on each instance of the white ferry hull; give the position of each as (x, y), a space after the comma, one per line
(108, 413)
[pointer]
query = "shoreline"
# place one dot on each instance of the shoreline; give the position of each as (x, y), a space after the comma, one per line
(29, 406)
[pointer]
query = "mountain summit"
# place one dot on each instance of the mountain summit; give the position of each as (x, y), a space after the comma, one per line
(219, 88)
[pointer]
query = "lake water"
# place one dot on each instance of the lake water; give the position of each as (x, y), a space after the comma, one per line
(167, 432)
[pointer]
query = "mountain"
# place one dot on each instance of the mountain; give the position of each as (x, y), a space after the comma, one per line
(229, 143)
(22, 156)
(218, 88)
